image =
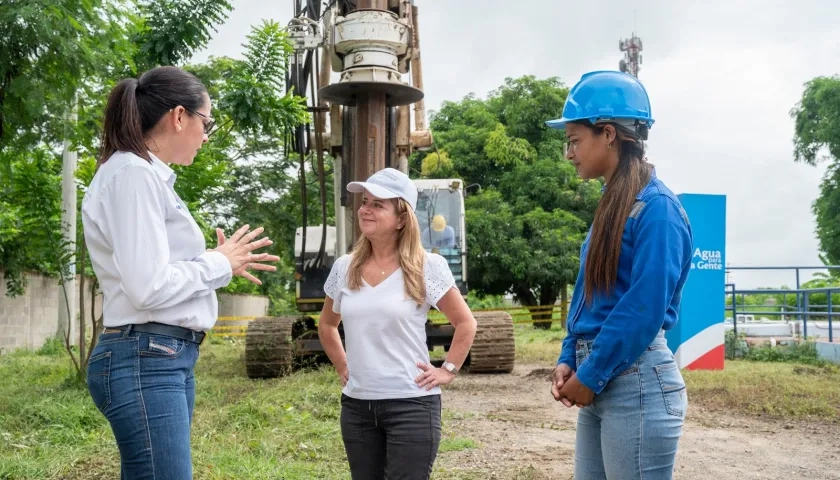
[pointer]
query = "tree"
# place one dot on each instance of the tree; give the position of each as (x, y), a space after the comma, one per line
(250, 105)
(48, 50)
(30, 224)
(817, 130)
(257, 115)
(462, 130)
(525, 229)
(57, 51)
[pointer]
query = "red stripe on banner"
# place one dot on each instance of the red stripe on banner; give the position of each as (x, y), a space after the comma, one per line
(712, 360)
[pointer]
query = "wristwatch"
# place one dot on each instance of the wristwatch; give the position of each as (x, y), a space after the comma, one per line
(450, 367)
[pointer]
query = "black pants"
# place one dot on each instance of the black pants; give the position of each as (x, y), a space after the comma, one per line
(394, 439)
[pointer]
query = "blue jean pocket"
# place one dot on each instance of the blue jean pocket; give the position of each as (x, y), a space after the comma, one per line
(162, 346)
(99, 380)
(673, 388)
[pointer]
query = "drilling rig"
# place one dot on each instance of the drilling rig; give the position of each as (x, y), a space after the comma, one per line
(362, 120)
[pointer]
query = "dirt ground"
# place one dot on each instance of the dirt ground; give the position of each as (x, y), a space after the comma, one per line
(517, 425)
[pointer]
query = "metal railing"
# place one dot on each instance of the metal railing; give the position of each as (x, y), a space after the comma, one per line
(804, 310)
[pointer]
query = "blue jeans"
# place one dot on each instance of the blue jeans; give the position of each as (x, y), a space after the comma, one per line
(144, 385)
(632, 428)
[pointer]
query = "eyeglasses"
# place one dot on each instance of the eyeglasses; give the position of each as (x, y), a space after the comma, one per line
(208, 125)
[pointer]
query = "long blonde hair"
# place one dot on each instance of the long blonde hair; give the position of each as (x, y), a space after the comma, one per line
(410, 252)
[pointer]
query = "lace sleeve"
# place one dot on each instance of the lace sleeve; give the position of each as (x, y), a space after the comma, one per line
(336, 281)
(439, 278)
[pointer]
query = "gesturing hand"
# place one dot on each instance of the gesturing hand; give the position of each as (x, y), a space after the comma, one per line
(238, 250)
(432, 377)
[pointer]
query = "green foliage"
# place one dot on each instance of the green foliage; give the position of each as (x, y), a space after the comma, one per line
(492, 230)
(735, 346)
(171, 31)
(525, 228)
(437, 165)
(777, 306)
(486, 302)
(826, 209)
(782, 391)
(30, 228)
(524, 104)
(255, 100)
(49, 50)
(817, 120)
(817, 129)
(462, 129)
(246, 179)
(281, 428)
(551, 185)
(802, 352)
(504, 150)
(239, 176)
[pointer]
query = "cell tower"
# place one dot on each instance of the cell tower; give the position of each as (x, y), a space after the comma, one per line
(632, 48)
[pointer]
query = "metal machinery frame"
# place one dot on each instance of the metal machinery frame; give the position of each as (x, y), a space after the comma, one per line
(370, 44)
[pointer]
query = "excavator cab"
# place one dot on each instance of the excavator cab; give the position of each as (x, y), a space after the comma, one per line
(440, 211)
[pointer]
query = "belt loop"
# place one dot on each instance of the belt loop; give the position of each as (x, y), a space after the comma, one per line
(127, 331)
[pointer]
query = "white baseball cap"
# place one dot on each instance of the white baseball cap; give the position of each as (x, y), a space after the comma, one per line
(388, 183)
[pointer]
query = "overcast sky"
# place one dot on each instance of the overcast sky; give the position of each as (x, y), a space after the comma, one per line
(722, 76)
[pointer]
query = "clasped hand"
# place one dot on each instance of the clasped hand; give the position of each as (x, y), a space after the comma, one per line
(566, 388)
(238, 250)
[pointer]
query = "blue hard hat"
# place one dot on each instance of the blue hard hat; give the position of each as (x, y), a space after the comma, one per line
(606, 95)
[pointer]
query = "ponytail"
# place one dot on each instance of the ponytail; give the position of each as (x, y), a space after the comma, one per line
(135, 107)
(122, 128)
(631, 176)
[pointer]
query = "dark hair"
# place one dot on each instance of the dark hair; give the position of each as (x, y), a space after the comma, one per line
(630, 177)
(136, 106)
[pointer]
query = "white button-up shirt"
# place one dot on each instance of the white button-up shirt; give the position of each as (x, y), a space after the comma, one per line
(147, 250)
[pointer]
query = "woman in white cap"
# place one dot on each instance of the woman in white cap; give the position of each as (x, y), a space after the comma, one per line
(382, 291)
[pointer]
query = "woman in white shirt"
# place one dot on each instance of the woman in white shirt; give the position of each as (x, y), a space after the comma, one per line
(157, 277)
(382, 291)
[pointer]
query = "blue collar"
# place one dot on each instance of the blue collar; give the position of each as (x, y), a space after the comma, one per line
(638, 195)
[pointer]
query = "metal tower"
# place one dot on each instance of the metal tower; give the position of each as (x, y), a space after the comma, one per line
(632, 48)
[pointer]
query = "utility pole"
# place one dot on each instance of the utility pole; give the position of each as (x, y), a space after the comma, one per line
(67, 294)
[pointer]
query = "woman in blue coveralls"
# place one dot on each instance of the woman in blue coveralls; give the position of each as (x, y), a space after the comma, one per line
(615, 362)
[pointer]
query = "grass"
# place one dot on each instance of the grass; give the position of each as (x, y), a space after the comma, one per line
(289, 428)
(283, 428)
(534, 345)
(772, 389)
(782, 382)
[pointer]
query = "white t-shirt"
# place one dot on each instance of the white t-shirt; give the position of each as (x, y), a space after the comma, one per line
(385, 330)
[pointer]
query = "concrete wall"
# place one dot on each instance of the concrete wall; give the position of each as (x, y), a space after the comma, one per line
(26, 321)
(828, 351)
(239, 306)
(242, 305)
